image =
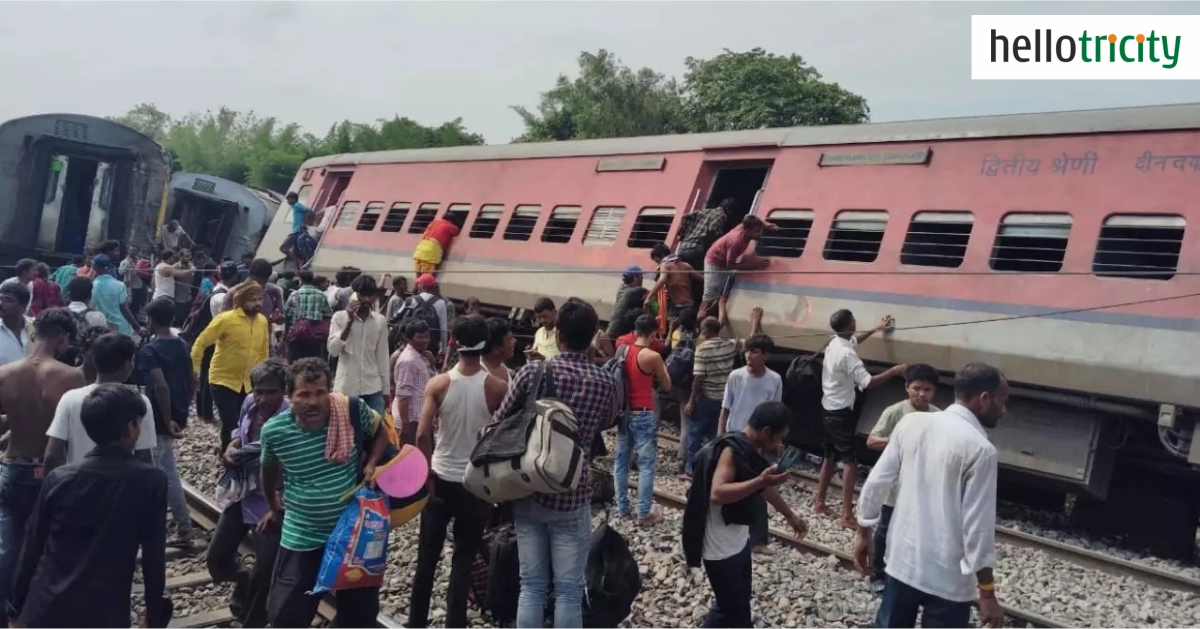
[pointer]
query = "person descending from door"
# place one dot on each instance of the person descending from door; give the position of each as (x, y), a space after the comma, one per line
(241, 336)
(731, 253)
(677, 277)
(460, 403)
(172, 237)
(292, 247)
(30, 390)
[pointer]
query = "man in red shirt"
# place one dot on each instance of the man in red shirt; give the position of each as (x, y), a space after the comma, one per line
(727, 255)
(434, 243)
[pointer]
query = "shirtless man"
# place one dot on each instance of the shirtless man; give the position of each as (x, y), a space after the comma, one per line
(29, 393)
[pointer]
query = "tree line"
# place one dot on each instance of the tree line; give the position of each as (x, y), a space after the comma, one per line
(729, 92)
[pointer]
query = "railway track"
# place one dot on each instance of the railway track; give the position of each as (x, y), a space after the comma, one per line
(1150, 575)
(205, 514)
(1015, 617)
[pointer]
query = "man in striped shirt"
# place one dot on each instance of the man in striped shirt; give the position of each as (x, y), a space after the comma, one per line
(317, 485)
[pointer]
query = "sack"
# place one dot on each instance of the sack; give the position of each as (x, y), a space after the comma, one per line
(612, 577)
(200, 317)
(416, 307)
(616, 367)
(309, 331)
(681, 362)
(356, 553)
(536, 450)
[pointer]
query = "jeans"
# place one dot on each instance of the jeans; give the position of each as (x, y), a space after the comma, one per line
(880, 540)
(290, 603)
(374, 400)
(249, 601)
(20, 483)
(551, 545)
(163, 456)
(229, 407)
(639, 432)
(301, 349)
(450, 501)
(204, 401)
(760, 527)
(703, 428)
(901, 602)
(732, 582)
(681, 396)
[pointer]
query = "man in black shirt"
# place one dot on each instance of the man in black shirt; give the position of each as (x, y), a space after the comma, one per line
(81, 546)
(164, 366)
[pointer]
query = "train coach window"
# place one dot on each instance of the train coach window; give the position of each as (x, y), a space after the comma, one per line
(856, 235)
(487, 221)
(1031, 243)
(520, 225)
(370, 217)
(561, 226)
(788, 241)
(424, 216)
(1139, 246)
(937, 239)
(348, 216)
(394, 221)
(651, 227)
(604, 226)
(457, 213)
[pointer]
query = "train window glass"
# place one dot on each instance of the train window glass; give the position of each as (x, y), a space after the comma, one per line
(487, 221)
(788, 241)
(651, 227)
(394, 221)
(1139, 246)
(303, 193)
(424, 216)
(520, 226)
(1031, 243)
(370, 216)
(603, 227)
(56, 167)
(937, 239)
(561, 225)
(457, 213)
(348, 215)
(856, 235)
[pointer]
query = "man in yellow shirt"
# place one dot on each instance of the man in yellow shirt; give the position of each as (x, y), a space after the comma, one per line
(242, 339)
(545, 339)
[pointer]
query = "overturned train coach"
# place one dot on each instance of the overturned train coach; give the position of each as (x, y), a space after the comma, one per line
(1055, 246)
(68, 182)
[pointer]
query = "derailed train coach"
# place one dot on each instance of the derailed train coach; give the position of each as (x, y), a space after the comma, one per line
(1055, 246)
(69, 182)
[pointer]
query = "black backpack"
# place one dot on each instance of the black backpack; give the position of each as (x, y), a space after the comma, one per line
(613, 579)
(681, 362)
(417, 308)
(200, 317)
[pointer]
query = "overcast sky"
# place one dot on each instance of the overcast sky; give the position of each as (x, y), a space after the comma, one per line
(320, 62)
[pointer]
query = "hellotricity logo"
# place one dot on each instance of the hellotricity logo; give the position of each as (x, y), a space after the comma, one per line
(1093, 47)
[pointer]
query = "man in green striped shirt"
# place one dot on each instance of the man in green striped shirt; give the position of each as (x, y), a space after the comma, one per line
(316, 488)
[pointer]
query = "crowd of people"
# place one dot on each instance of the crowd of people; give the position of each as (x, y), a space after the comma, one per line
(102, 361)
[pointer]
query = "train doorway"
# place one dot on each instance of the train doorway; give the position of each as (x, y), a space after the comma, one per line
(75, 208)
(741, 181)
(208, 220)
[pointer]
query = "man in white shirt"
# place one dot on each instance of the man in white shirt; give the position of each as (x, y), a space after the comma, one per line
(842, 376)
(27, 270)
(113, 356)
(942, 540)
(228, 278)
(358, 338)
(14, 332)
(165, 275)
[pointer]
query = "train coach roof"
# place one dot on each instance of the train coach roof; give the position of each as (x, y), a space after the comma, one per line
(1126, 119)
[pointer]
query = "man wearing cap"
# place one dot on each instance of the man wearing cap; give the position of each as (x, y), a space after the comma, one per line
(630, 296)
(427, 290)
(110, 297)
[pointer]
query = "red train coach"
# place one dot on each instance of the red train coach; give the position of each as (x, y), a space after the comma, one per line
(1054, 246)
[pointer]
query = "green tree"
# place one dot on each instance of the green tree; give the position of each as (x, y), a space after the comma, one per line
(606, 100)
(758, 90)
(264, 152)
